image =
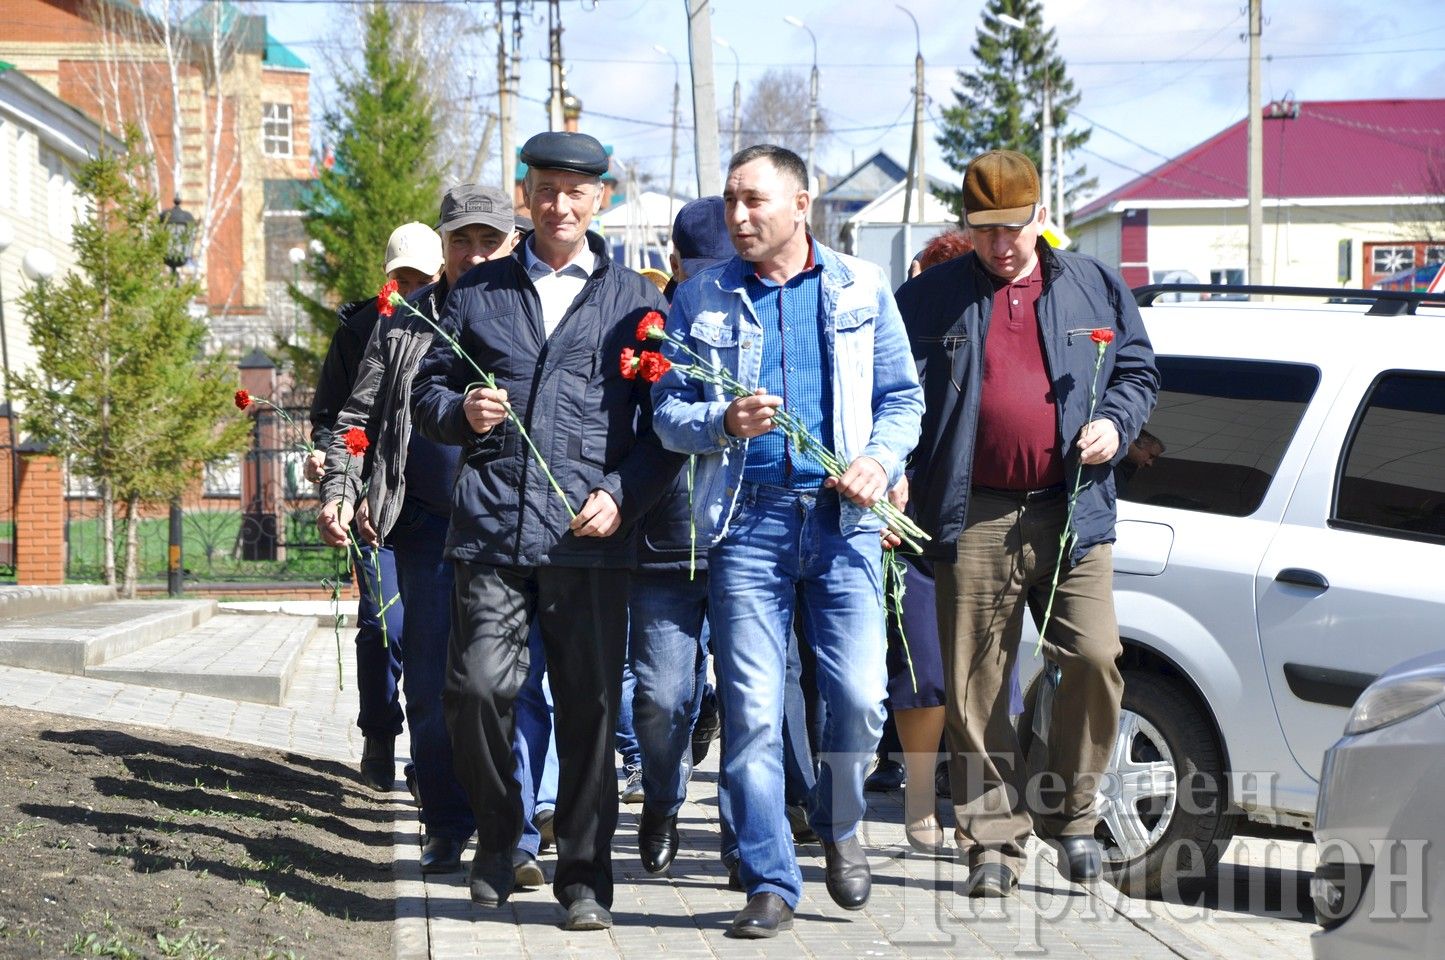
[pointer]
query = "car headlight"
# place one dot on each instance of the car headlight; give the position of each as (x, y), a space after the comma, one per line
(1394, 699)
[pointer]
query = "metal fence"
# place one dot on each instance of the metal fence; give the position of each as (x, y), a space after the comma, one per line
(249, 519)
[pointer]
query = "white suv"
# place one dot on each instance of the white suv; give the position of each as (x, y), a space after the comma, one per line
(1285, 548)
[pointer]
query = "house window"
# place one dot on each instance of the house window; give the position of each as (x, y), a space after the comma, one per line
(1435, 254)
(276, 129)
(1231, 276)
(1389, 260)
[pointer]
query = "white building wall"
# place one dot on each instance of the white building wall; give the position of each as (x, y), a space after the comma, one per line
(1301, 243)
(40, 204)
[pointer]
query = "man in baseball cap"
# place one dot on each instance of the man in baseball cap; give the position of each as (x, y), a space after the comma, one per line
(413, 257)
(477, 223)
(699, 240)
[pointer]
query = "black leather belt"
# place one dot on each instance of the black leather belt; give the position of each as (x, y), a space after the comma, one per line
(1024, 496)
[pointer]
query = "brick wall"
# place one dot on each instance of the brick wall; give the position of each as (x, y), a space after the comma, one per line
(40, 533)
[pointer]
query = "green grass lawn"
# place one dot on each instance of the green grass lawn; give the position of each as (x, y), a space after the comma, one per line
(210, 549)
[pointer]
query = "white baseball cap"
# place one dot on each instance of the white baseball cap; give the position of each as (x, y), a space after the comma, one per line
(414, 245)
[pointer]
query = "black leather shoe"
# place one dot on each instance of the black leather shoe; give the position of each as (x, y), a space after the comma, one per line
(991, 880)
(887, 776)
(847, 875)
(657, 840)
(491, 878)
(707, 728)
(378, 762)
(763, 917)
(803, 831)
(587, 914)
(545, 820)
(526, 871)
(442, 855)
(1082, 861)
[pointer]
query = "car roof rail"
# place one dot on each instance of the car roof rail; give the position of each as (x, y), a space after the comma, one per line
(1383, 303)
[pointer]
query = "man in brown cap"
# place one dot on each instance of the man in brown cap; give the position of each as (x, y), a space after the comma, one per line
(1019, 405)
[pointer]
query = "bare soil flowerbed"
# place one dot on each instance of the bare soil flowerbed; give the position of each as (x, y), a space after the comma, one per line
(136, 842)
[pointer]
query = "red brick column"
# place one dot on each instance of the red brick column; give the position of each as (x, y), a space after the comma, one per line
(40, 520)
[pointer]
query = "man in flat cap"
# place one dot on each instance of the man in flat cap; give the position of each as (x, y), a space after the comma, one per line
(1002, 338)
(549, 323)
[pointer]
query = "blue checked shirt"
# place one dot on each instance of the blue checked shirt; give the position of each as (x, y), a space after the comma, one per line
(795, 367)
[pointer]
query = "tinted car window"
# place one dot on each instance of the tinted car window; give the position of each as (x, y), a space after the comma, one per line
(1218, 434)
(1393, 478)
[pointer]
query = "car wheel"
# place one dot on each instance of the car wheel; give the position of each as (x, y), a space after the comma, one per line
(1164, 804)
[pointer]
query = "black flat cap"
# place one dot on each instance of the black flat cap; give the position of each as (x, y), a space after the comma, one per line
(559, 150)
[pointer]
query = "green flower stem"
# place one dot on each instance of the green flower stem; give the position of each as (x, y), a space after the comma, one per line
(490, 382)
(708, 372)
(1078, 487)
(310, 447)
(894, 587)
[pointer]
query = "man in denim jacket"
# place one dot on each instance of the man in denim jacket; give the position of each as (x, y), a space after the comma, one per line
(817, 333)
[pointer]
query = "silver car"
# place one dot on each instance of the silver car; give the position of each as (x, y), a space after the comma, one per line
(1380, 825)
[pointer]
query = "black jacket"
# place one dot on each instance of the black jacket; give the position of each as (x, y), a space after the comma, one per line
(339, 370)
(591, 425)
(947, 308)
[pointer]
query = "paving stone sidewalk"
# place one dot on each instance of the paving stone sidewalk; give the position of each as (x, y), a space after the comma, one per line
(1260, 910)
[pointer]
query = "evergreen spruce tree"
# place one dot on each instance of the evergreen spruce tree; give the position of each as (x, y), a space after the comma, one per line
(385, 174)
(121, 386)
(998, 105)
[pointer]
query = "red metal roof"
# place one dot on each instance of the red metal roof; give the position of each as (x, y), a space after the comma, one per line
(1333, 148)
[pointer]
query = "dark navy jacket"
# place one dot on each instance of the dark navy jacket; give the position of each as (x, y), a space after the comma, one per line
(354, 323)
(947, 308)
(591, 425)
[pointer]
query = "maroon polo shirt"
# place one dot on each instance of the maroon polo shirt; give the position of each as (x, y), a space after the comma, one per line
(1017, 438)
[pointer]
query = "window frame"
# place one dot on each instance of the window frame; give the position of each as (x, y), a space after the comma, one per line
(1313, 397)
(1352, 433)
(269, 134)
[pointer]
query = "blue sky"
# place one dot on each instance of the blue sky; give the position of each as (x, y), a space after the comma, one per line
(1156, 77)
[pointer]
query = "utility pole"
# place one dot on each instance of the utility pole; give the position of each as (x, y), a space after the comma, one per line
(1059, 179)
(676, 111)
(704, 100)
(1256, 151)
(554, 95)
(1046, 147)
(812, 95)
(915, 148)
(504, 101)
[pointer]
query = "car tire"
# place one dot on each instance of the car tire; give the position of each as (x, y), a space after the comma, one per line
(1187, 837)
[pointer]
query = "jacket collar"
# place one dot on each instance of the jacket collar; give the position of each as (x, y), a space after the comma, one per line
(734, 274)
(595, 243)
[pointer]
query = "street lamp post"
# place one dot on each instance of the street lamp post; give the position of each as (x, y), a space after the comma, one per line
(676, 109)
(1045, 126)
(915, 149)
(737, 93)
(182, 228)
(812, 93)
(297, 256)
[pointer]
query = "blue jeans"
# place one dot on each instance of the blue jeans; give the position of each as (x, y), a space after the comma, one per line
(785, 554)
(626, 735)
(667, 647)
(531, 739)
(425, 580)
(378, 667)
(798, 775)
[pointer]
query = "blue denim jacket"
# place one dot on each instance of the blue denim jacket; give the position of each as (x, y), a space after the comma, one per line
(877, 403)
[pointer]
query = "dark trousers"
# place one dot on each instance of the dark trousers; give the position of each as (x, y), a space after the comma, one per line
(582, 614)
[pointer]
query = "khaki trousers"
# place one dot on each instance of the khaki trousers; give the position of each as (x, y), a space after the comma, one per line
(1006, 559)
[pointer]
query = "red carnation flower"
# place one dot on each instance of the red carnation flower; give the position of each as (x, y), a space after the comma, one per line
(356, 442)
(383, 299)
(653, 365)
(243, 399)
(1102, 335)
(650, 326)
(628, 363)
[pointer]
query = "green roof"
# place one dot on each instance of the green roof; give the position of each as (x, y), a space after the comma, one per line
(279, 55)
(6, 66)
